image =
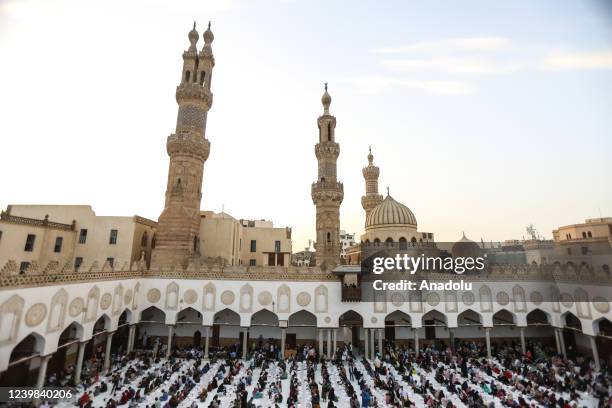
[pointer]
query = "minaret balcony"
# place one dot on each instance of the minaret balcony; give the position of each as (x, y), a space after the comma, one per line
(327, 150)
(189, 143)
(327, 191)
(194, 92)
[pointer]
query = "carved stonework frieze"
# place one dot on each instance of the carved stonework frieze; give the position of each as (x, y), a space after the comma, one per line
(190, 296)
(153, 295)
(264, 298)
(566, 300)
(433, 299)
(601, 304)
(228, 297)
(36, 314)
(468, 298)
(536, 298)
(127, 298)
(76, 307)
(303, 299)
(502, 298)
(397, 299)
(105, 301)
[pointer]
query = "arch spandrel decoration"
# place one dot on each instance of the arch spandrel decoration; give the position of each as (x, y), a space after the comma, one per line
(172, 296)
(416, 301)
(486, 299)
(117, 299)
(57, 312)
(246, 299)
(11, 312)
(554, 296)
(518, 295)
(583, 307)
(283, 295)
(91, 307)
(321, 299)
(208, 300)
(450, 299)
(135, 300)
(380, 302)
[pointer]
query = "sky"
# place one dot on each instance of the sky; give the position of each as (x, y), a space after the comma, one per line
(483, 117)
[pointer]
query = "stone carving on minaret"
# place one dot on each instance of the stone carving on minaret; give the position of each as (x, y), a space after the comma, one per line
(179, 223)
(370, 173)
(327, 193)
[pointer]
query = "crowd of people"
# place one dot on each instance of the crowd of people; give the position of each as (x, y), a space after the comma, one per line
(436, 376)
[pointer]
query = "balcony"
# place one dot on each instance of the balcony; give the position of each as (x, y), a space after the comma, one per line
(351, 293)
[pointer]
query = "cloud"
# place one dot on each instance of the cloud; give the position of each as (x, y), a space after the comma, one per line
(373, 84)
(451, 45)
(572, 60)
(464, 66)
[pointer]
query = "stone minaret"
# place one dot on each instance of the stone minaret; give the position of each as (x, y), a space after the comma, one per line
(179, 223)
(370, 173)
(327, 193)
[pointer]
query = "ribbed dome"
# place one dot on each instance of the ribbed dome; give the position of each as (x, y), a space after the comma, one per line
(465, 247)
(390, 212)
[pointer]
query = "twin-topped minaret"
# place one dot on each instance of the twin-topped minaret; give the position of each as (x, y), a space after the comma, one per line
(178, 230)
(370, 173)
(327, 193)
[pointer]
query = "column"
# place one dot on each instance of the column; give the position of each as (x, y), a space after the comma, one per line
(381, 334)
(523, 347)
(372, 344)
(42, 371)
(283, 335)
(416, 341)
(451, 339)
(335, 341)
(488, 341)
(366, 337)
(557, 341)
(131, 335)
(245, 337)
(206, 343)
(562, 341)
(79, 362)
(107, 354)
(595, 352)
(329, 345)
(170, 334)
(321, 351)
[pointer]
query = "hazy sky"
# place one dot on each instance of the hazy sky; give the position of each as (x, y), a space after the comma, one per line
(483, 116)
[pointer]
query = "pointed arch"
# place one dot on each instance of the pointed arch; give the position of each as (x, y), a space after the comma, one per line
(321, 299)
(227, 317)
(57, 312)
(103, 323)
(283, 295)
(399, 318)
(11, 312)
(450, 301)
(504, 317)
(172, 296)
(571, 321)
(189, 316)
(246, 299)
(302, 318)
(91, 307)
(264, 317)
(486, 298)
(31, 345)
(117, 299)
(153, 314)
(602, 327)
(583, 306)
(518, 296)
(435, 318)
(469, 317)
(208, 299)
(73, 332)
(350, 318)
(538, 317)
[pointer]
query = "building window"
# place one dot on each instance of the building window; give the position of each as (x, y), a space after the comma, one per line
(153, 240)
(585, 250)
(0, 234)
(253, 245)
(111, 261)
(589, 234)
(58, 244)
(252, 262)
(29, 245)
(78, 261)
(113, 237)
(277, 247)
(83, 236)
(583, 234)
(569, 251)
(23, 267)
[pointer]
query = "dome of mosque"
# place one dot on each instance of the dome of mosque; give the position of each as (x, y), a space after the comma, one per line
(390, 213)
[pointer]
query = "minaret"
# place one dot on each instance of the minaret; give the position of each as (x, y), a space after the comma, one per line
(179, 223)
(327, 193)
(370, 173)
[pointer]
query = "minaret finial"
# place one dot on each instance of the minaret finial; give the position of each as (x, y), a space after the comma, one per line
(209, 24)
(370, 155)
(387, 191)
(325, 86)
(326, 101)
(194, 23)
